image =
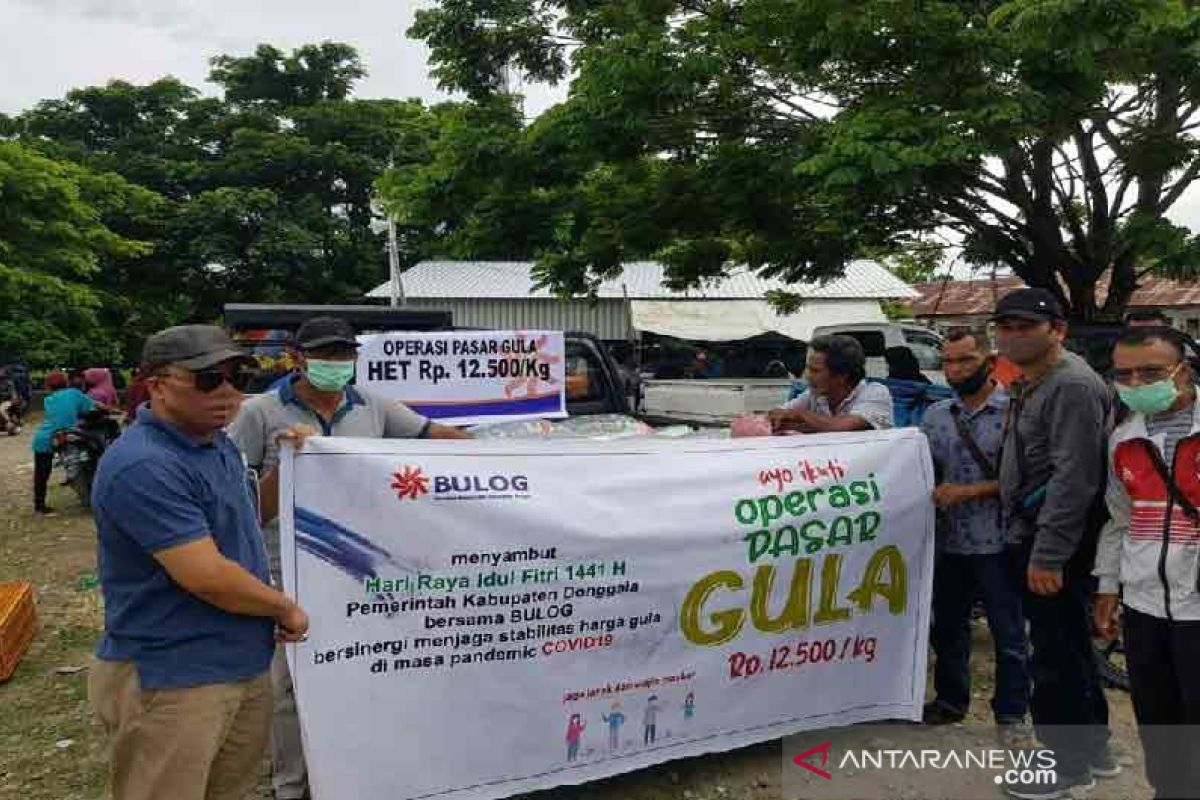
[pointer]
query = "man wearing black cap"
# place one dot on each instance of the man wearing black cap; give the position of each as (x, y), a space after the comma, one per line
(317, 399)
(1052, 474)
(190, 618)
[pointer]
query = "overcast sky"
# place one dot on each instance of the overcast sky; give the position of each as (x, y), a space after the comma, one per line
(48, 47)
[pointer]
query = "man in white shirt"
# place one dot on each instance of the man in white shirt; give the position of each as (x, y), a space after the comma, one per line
(838, 397)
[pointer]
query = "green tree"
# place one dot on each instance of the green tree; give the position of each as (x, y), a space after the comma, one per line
(268, 189)
(159, 136)
(52, 245)
(1052, 135)
(308, 75)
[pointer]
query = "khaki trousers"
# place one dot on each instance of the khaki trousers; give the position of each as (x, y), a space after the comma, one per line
(199, 743)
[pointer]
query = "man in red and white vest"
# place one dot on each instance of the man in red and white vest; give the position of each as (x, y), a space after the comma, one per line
(1149, 551)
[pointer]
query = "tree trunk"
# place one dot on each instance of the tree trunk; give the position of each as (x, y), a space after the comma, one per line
(1038, 271)
(1121, 288)
(1083, 302)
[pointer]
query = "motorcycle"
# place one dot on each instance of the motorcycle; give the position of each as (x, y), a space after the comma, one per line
(78, 450)
(12, 412)
(12, 406)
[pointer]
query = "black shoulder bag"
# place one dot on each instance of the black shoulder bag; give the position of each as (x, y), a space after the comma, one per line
(990, 470)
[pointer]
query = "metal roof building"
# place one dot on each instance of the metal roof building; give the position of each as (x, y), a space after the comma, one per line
(502, 294)
(950, 303)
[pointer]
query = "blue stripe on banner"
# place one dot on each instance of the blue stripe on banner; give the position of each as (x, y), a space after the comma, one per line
(535, 405)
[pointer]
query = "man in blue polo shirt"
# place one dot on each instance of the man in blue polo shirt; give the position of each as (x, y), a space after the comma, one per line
(317, 398)
(181, 677)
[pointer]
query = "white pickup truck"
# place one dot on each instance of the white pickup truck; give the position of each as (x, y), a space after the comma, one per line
(718, 401)
(715, 401)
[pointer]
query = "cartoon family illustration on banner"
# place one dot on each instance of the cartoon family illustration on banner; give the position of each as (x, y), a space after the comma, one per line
(614, 719)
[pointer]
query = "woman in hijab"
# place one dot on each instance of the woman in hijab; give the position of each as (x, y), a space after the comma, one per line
(100, 386)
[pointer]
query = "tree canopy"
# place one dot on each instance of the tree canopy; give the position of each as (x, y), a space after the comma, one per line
(265, 193)
(52, 242)
(1049, 136)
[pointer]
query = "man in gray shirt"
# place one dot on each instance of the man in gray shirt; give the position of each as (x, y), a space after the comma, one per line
(838, 398)
(316, 400)
(1052, 473)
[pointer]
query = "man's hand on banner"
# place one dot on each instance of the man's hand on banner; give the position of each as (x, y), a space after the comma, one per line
(293, 625)
(268, 492)
(296, 435)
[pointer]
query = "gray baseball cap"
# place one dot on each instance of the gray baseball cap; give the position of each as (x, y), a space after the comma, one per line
(193, 347)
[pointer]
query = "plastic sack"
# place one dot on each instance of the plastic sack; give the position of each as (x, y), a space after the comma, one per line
(520, 429)
(608, 426)
(751, 425)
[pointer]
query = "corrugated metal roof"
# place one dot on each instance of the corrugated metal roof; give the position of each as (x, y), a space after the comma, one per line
(605, 319)
(640, 280)
(978, 297)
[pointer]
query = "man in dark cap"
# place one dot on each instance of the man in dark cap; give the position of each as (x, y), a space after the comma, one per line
(1052, 473)
(317, 399)
(190, 619)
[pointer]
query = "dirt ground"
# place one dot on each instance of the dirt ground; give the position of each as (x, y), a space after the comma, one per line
(51, 750)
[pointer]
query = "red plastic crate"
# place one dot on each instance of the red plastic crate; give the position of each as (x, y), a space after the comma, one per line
(18, 621)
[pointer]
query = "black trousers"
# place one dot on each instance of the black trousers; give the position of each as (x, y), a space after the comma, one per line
(1069, 710)
(43, 464)
(1164, 674)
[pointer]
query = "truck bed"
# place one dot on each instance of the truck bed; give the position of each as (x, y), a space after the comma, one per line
(711, 401)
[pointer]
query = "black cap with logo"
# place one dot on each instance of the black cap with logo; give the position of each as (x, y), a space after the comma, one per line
(1037, 305)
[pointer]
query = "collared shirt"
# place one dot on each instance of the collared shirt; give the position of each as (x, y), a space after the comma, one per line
(362, 414)
(158, 488)
(871, 401)
(974, 527)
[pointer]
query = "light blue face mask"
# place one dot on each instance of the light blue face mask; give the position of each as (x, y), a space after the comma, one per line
(329, 376)
(1151, 398)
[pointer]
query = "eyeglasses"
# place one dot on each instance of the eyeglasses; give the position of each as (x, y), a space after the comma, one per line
(209, 380)
(1152, 374)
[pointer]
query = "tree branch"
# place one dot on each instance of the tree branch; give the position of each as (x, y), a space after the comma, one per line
(1116, 211)
(1143, 273)
(1100, 125)
(1180, 186)
(1139, 98)
(1150, 182)
(1099, 231)
(1072, 173)
(972, 216)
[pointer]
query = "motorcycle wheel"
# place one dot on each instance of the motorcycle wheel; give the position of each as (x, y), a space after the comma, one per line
(82, 484)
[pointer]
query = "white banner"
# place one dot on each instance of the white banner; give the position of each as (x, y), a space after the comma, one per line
(490, 618)
(468, 377)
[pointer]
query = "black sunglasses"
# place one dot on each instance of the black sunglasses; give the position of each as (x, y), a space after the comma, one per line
(209, 380)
